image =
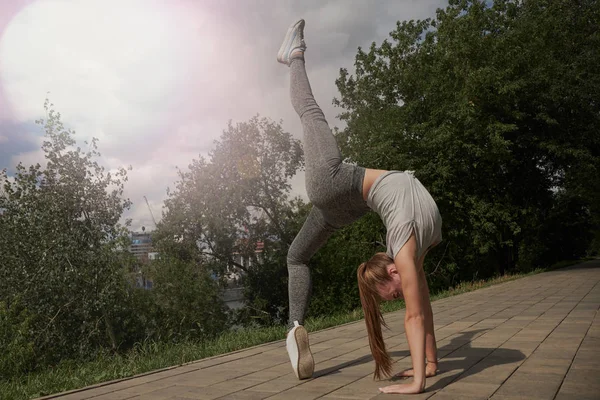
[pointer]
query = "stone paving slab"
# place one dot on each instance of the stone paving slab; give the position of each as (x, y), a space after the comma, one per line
(534, 338)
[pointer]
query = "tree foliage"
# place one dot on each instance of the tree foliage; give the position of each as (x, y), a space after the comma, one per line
(60, 239)
(495, 107)
(188, 303)
(225, 207)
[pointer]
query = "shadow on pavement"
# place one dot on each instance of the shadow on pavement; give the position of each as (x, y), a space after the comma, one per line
(468, 365)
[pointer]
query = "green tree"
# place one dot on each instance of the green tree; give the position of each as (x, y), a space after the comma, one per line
(16, 339)
(224, 207)
(186, 300)
(60, 242)
(495, 107)
(333, 268)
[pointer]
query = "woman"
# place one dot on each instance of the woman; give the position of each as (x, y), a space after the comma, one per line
(340, 194)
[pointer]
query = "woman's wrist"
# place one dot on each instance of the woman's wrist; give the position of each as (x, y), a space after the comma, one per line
(418, 385)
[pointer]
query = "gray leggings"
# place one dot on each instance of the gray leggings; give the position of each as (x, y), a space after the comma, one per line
(334, 188)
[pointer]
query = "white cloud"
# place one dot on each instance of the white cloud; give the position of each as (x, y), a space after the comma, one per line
(28, 158)
(157, 81)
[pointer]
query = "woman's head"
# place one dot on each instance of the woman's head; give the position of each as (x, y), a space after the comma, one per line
(378, 280)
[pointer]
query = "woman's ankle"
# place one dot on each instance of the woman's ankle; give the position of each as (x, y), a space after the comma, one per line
(297, 53)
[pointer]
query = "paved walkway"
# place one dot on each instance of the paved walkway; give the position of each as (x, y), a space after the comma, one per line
(533, 338)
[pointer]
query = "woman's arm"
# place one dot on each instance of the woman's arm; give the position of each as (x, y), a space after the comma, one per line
(430, 342)
(414, 321)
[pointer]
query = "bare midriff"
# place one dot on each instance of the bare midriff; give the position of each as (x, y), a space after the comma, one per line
(371, 176)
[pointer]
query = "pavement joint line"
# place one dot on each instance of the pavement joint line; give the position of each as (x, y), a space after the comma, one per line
(576, 351)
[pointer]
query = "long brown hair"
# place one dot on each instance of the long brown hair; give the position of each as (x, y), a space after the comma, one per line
(370, 275)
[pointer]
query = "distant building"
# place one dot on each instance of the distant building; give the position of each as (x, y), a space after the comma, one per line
(234, 274)
(141, 246)
(246, 261)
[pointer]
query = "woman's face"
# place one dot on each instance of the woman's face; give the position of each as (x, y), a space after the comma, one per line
(392, 289)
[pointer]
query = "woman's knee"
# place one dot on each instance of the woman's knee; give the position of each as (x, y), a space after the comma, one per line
(296, 256)
(293, 259)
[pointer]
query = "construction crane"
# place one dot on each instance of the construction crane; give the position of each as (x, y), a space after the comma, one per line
(151, 214)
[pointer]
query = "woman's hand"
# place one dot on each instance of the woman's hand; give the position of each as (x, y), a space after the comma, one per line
(404, 388)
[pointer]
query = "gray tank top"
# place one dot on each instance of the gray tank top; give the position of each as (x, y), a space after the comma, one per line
(405, 206)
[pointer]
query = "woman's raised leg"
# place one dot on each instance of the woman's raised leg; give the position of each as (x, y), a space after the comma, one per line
(321, 152)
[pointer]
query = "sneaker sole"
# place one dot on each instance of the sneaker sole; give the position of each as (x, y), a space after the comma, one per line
(287, 42)
(306, 363)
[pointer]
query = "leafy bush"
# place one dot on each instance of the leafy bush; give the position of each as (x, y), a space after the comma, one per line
(16, 340)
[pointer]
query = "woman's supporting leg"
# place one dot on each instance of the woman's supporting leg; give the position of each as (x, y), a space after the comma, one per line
(312, 236)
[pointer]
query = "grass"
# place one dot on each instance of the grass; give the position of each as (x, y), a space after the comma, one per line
(152, 355)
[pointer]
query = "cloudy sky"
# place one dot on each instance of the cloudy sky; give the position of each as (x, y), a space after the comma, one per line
(157, 80)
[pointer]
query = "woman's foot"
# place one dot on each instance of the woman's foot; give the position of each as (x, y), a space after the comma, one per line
(298, 349)
(293, 45)
(430, 370)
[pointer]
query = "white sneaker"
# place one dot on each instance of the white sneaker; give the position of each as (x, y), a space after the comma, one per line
(299, 352)
(294, 40)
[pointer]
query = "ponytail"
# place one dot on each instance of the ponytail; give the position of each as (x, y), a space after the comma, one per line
(370, 275)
